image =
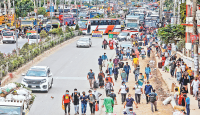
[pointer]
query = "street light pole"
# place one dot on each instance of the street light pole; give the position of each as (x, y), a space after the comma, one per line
(17, 51)
(63, 19)
(51, 15)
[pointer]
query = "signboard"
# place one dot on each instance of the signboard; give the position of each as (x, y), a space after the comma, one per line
(113, 34)
(97, 34)
(194, 38)
(188, 46)
(30, 32)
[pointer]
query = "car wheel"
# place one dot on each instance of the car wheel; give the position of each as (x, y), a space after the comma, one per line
(77, 46)
(4, 42)
(90, 45)
(47, 91)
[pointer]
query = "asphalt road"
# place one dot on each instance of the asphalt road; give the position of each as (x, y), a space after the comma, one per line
(69, 66)
(8, 47)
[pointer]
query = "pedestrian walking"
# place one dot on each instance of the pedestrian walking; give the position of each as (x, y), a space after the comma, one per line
(131, 112)
(66, 100)
(169, 49)
(153, 99)
(100, 60)
(140, 79)
(108, 103)
(176, 96)
(116, 72)
(195, 85)
(121, 53)
(121, 66)
(123, 76)
(147, 71)
(113, 96)
(187, 104)
(129, 103)
(109, 79)
(135, 62)
(123, 90)
(105, 43)
(104, 57)
(163, 62)
(128, 51)
(178, 72)
(198, 97)
(137, 72)
(127, 69)
(101, 77)
(111, 44)
(97, 95)
(75, 100)
(84, 99)
(147, 90)
(117, 50)
(143, 53)
(91, 78)
(173, 66)
(149, 51)
(138, 92)
(108, 87)
(110, 66)
(184, 81)
(115, 61)
(92, 101)
(190, 74)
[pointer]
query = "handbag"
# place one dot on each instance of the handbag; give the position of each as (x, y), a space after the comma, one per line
(97, 107)
(63, 107)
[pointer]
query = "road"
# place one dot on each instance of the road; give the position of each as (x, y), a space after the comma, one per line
(8, 47)
(69, 66)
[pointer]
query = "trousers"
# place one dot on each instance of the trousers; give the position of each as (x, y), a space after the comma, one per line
(153, 104)
(188, 109)
(83, 107)
(92, 107)
(67, 105)
(137, 98)
(76, 108)
(123, 97)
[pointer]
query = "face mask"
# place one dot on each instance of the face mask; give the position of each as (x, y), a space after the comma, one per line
(83, 94)
(101, 71)
(147, 84)
(75, 91)
(129, 97)
(67, 93)
(124, 84)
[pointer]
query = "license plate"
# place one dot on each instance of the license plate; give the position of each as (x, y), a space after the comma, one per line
(33, 86)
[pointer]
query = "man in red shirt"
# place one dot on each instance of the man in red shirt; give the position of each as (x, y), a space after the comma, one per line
(66, 99)
(169, 49)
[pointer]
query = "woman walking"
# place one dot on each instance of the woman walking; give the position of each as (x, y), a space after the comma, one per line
(101, 79)
(111, 44)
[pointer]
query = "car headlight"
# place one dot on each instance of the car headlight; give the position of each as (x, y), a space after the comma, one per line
(43, 81)
(24, 80)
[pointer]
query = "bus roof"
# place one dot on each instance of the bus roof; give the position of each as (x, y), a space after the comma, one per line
(106, 19)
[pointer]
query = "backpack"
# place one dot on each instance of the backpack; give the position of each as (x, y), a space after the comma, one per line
(127, 89)
(152, 97)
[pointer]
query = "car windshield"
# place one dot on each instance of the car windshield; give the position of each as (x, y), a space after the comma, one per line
(126, 45)
(82, 24)
(2, 26)
(10, 110)
(83, 39)
(36, 73)
(131, 25)
(123, 34)
(26, 22)
(8, 34)
(34, 36)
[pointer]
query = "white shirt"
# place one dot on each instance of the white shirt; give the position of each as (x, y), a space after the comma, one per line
(142, 51)
(123, 89)
(96, 93)
(166, 54)
(195, 84)
(138, 89)
(183, 67)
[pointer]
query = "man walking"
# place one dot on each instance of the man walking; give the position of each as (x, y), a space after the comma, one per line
(104, 57)
(92, 101)
(66, 99)
(137, 72)
(198, 97)
(108, 103)
(127, 69)
(147, 71)
(178, 72)
(128, 51)
(100, 60)
(91, 78)
(97, 95)
(147, 90)
(129, 104)
(135, 62)
(153, 99)
(121, 66)
(138, 92)
(169, 49)
(105, 43)
(187, 104)
(173, 66)
(75, 100)
(124, 76)
(108, 87)
(113, 96)
(122, 53)
(115, 61)
(115, 71)
(84, 99)
(110, 66)
(123, 90)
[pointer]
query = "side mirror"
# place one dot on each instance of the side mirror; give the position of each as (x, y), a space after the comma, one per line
(50, 75)
(23, 74)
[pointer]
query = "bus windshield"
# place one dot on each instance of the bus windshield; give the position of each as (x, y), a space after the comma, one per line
(10, 110)
(82, 24)
(105, 22)
(132, 25)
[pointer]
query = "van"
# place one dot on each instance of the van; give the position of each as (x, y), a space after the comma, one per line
(8, 37)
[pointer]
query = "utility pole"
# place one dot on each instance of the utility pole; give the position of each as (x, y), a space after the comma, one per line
(15, 30)
(196, 56)
(161, 5)
(89, 9)
(63, 18)
(51, 15)
(178, 19)
(96, 7)
(174, 12)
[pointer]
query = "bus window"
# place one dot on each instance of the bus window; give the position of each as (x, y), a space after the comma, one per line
(109, 22)
(92, 22)
(117, 22)
(113, 22)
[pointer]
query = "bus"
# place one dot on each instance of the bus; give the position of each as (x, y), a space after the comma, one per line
(105, 25)
(132, 23)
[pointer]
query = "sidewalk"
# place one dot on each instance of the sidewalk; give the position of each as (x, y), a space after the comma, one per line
(143, 108)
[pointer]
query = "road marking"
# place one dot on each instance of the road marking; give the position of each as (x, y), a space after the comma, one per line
(71, 78)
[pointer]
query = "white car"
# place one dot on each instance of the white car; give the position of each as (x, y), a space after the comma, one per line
(38, 78)
(84, 42)
(8, 37)
(33, 39)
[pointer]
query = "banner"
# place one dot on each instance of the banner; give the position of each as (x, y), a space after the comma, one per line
(113, 34)
(30, 32)
(194, 38)
(97, 34)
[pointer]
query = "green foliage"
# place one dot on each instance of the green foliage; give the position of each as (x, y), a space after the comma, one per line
(22, 7)
(170, 32)
(57, 31)
(183, 12)
(77, 27)
(42, 11)
(43, 34)
(181, 44)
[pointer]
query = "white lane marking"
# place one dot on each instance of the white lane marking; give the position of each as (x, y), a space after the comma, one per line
(71, 78)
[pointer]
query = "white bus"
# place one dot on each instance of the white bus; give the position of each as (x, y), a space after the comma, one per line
(132, 23)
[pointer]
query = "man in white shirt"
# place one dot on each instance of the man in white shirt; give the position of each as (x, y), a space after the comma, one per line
(195, 85)
(123, 90)
(138, 92)
(97, 94)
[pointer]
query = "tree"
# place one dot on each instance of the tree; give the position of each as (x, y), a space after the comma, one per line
(77, 27)
(22, 7)
(183, 12)
(170, 32)
(42, 11)
(43, 34)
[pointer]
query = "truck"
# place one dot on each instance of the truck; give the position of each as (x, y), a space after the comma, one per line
(26, 23)
(132, 23)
